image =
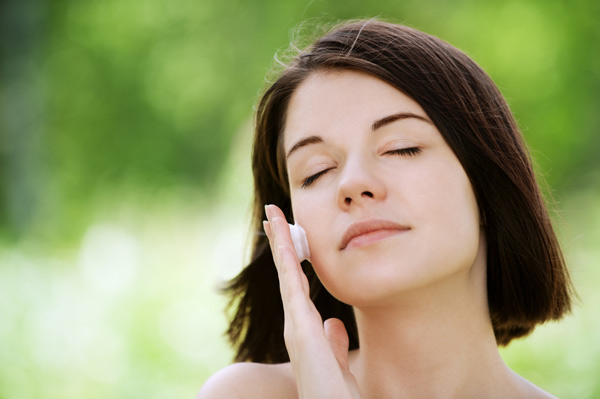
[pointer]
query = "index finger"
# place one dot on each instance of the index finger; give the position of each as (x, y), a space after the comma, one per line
(283, 236)
(292, 280)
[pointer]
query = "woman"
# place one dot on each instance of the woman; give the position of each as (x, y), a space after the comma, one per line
(430, 243)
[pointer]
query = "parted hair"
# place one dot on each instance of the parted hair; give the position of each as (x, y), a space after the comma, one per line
(527, 279)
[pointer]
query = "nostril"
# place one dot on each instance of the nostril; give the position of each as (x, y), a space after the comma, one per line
(348, 200)
(368, 194)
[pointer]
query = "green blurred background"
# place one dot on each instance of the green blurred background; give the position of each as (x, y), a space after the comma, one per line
(125, 186)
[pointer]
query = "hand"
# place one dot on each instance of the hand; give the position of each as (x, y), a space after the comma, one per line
(318, 352)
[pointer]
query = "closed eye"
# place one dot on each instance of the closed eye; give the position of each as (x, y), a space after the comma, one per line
(311, 179)
(411, 151)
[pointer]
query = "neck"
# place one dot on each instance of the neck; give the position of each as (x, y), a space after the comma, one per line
(435, 342)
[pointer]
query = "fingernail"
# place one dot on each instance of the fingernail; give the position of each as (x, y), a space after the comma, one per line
(267, 228)
(268, 211)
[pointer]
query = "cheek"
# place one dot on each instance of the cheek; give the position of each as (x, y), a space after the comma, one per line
(460, 205)
(316, 215)
(451, 215)
(312, 214)
(443, 191)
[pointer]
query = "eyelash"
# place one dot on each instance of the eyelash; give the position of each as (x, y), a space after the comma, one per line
(310, 179)
(411, 152)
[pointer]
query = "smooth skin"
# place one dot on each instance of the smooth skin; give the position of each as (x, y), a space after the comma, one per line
(394, 230)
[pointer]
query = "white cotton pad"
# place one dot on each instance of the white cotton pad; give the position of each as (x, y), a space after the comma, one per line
(300, 242)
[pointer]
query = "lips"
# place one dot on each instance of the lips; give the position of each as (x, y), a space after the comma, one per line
(366, 231)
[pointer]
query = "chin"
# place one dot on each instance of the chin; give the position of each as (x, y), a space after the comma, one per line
(363, 288)
(383, 281)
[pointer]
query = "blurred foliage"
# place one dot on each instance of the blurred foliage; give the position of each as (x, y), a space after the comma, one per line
(98, 95)
(124, 182)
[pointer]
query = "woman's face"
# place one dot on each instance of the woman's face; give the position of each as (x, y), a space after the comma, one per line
(386, 205)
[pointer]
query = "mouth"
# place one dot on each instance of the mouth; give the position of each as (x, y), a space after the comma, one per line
(369, 231)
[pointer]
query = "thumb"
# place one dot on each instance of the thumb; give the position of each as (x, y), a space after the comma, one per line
(336, 334)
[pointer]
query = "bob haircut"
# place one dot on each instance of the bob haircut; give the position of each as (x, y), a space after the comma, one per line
(527, 279)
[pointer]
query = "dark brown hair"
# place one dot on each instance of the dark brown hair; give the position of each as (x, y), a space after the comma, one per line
(527, 279)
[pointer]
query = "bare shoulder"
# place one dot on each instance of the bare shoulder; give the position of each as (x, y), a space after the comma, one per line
(527, 389)
(251, 380)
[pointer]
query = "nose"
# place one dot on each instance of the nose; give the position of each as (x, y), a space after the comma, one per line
(359, 185)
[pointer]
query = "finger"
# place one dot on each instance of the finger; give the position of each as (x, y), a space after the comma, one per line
(278, 229)
(278, 225)
(269, 233)
(273, 211)
(336, 334)
(286, 243)
(280, 235)
(275, 229)
(281, 229)
(293, 284)
(267, 229)
(295, 290)
(277, 240)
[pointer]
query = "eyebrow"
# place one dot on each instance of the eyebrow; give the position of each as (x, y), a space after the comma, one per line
(386, 120)
(304, 142)
(378, 124)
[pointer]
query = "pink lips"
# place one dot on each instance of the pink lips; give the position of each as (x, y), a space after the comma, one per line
(370, 230)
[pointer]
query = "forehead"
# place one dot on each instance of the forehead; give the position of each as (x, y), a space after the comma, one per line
(333, 101)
